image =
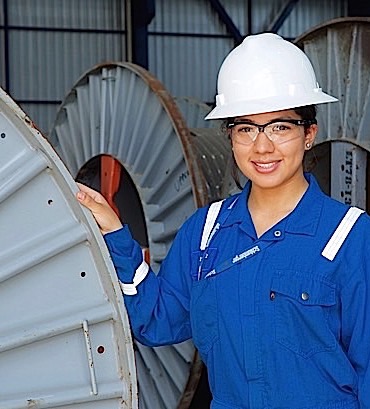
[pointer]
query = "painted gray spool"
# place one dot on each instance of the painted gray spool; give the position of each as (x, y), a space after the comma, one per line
(171, 166)
(65, 340)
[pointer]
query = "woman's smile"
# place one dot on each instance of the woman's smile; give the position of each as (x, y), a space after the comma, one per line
(266, 167)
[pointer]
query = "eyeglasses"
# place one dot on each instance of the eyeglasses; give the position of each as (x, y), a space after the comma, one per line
(245, 132)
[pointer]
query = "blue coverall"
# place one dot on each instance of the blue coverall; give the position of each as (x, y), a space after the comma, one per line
(281, 327)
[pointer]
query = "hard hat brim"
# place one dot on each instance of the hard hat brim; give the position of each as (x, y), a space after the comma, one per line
(260, 106)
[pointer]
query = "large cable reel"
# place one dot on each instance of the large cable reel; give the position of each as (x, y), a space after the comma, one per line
(339, 51)
(65, 339)
(169, 166)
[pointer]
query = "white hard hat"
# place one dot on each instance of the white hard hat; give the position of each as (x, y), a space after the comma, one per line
(265, 73)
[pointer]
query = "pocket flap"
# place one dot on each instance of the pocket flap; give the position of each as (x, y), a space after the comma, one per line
(306, 290)
(207, 261)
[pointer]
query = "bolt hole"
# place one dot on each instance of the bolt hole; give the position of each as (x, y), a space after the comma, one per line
(2, 135)
(83, 274)
(101, 349)
(50, 202)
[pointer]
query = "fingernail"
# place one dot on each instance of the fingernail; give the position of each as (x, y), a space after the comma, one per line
(80, 195)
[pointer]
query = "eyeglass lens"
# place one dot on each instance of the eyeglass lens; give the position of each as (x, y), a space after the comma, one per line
(279, 131)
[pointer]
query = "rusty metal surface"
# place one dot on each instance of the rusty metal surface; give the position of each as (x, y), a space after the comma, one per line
(181, 129)
(340, 53)
(213, 153)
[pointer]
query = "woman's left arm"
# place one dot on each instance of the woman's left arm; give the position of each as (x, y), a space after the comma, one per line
(356, 312)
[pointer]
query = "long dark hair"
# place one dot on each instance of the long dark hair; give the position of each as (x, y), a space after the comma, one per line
(305, 112)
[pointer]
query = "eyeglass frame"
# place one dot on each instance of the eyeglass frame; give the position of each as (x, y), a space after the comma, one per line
(261, 128)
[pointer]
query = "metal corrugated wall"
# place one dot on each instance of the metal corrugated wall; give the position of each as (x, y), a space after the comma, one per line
(310, 13)
(188, 40)
(52, 43)
(186, 44)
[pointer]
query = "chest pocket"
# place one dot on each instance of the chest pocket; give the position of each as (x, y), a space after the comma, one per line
(203, 315)
(301, 306)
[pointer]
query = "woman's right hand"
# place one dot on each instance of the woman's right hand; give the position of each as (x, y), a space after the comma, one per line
(103, 213)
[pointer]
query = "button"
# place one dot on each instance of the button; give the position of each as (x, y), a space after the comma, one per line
(272, 296)
(305, 296)
(277, 233)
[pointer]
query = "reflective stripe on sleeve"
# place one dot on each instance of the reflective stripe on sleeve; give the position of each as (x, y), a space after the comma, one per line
(140, 274)
(212, 214)
(335, 243)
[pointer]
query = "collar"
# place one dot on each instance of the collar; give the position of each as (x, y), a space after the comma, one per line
(303, 219)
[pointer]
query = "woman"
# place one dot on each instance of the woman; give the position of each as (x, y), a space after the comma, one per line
(272, 283)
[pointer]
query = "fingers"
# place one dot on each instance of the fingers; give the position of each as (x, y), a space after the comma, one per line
(96, 196)
(87, 201)
(85, 188)
(104, 215)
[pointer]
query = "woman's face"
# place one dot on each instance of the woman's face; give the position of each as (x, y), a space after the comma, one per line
(271, 164)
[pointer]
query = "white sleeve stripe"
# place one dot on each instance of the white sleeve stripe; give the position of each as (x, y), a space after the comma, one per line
(212, 214)
(337, 239)
(128, 289)
(140, 273)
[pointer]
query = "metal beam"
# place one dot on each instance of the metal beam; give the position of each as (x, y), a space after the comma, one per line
(225, 18)
(275, 26)
(139, 15)
(358, 8)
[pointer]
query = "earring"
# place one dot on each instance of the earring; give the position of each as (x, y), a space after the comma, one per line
(308, 145)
